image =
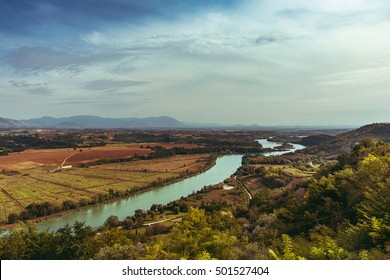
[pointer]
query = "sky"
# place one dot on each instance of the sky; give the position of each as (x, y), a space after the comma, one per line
(266, 62)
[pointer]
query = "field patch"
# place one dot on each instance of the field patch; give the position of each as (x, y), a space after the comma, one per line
(180, 164)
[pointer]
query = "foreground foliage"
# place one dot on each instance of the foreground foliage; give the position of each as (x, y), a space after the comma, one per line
(342, 213)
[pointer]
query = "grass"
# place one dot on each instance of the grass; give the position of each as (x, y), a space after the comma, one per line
(24, 187)
(7, 208)
(4, 198)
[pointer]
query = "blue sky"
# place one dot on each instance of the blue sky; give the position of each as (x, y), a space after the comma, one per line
(270, 62)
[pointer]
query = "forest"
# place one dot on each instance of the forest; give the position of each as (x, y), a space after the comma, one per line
(341, 212)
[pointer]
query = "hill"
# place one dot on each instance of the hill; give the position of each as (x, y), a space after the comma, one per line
(377, 130)
(344, 142)
(8, 123)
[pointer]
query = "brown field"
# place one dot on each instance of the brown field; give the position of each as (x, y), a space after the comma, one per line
(76, 184)
(93, 154)
(30, 159)
(253, 183)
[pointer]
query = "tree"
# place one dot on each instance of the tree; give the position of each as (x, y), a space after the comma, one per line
(121, 252)
(76, 242)
(287, 250)
(12, 218)
(194, 238)
(112, 221)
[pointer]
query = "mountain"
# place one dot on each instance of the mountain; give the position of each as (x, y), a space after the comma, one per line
(8, 123)
(99, 122)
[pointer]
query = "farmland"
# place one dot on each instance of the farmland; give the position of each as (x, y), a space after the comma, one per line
(83, 185)
(52, 158)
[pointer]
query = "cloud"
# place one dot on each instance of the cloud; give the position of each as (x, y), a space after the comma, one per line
(269, 39)
(357, 78)
(93, 37)
(32, 88)
(42, 58)
(263, 40)
(21, 84)
(38, 59)
(44, 91)
(113, 85)
(107, 105)
(24, 16)
(293, 13)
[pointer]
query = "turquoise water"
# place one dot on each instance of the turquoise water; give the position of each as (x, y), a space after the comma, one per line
(269, 144)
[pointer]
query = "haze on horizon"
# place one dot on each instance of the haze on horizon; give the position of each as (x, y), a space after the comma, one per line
(300, 62)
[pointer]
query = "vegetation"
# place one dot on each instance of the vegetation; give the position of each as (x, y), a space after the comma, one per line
(18, 143)
(304, 205)
(342, 213)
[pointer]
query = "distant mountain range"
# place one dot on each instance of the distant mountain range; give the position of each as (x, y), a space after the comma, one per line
(86, 121)
(83, 122)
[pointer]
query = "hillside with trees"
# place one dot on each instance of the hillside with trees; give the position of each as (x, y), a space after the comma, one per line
(332, 145)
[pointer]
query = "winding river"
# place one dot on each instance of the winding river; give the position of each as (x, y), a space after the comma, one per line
(95, 217)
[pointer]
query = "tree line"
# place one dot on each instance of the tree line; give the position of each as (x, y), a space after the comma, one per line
(19, 143)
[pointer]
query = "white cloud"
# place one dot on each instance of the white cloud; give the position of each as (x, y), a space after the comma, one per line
(112, 85)
(93, 38)
(357, 78)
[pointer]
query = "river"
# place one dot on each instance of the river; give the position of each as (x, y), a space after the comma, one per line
(268, 144)
(95, 217)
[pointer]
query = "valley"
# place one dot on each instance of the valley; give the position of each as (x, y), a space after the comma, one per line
(279, 193)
